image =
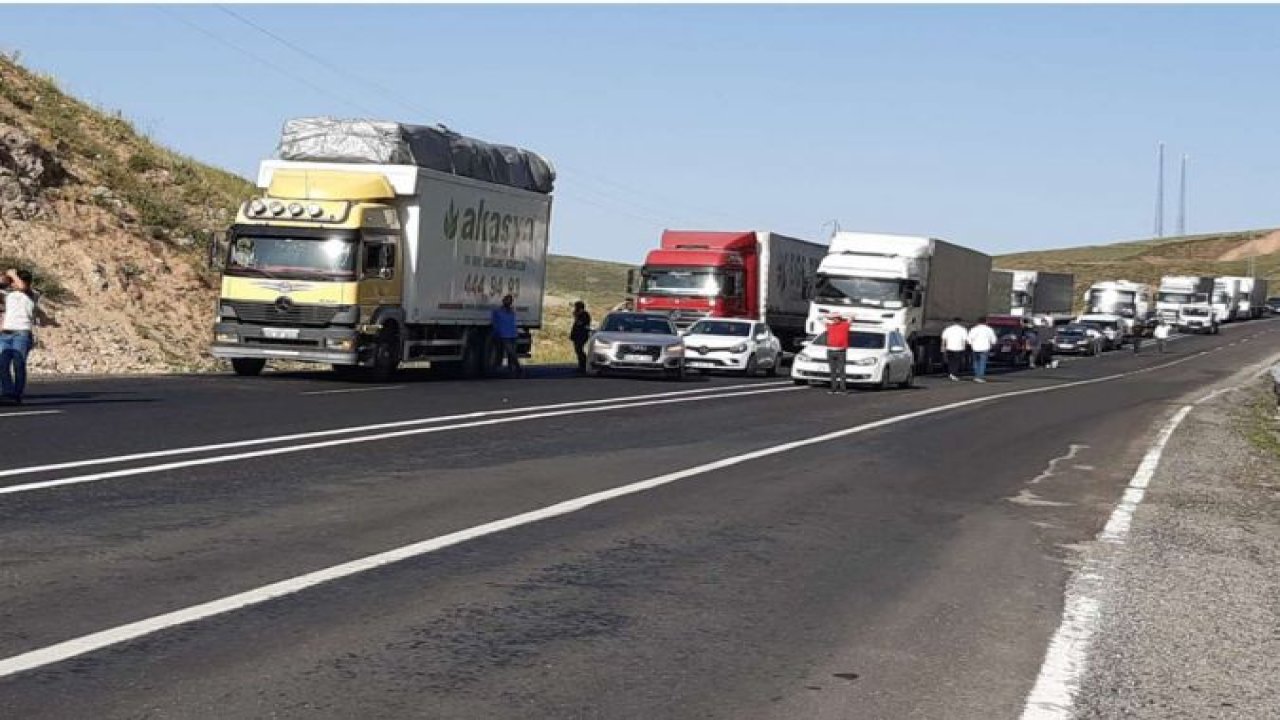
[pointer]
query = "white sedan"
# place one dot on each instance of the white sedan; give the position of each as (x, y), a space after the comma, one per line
(742, 346)
(875, 357)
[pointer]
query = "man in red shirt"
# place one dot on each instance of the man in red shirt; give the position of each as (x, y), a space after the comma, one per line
(837, 351)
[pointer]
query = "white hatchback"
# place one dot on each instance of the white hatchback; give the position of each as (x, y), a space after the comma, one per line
(876, 357)
(732, 345)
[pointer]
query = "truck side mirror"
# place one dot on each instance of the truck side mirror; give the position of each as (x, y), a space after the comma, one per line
(631, 281)
(217, 249)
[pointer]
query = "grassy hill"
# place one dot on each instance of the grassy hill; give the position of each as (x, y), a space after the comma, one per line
(1147, 260)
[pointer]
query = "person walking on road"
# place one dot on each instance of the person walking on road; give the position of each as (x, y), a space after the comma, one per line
(1033, 347)
(1137, 340)
(981, 339)
(1161, 334)
(837, 352)
(16, 335)
(506, 332)
(580, 333)
(955, 340)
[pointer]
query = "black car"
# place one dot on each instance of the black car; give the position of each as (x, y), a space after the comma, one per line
(1077, 339)
(1273, 305)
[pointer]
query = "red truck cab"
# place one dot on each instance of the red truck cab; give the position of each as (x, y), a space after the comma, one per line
(699, 274)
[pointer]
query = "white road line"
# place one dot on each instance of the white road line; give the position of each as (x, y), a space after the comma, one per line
(131, 631)
(343, 391)
(1053, 696)
(28, 413)
(218, 459)
(191, 450)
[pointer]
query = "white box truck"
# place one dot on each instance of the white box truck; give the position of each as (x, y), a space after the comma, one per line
(367, 265)
(1250, 295)
(1130, 304)
(1225, 301)
(913, 284)
(1046, 297)
(1178, 290)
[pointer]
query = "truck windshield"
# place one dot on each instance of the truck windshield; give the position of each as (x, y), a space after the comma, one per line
(858, 291)
(1222, 298)
(283, 256)
(1110, 302)
(1176, 297)
(681, 282)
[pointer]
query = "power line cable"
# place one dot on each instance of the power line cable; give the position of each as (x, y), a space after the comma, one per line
(219, 39)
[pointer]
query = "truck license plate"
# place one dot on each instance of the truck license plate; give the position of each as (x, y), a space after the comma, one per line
(281, 333)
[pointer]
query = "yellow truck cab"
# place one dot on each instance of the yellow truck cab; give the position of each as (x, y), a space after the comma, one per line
(362, 265)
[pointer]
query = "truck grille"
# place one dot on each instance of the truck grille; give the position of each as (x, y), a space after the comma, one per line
(260, 313)
(652, 351)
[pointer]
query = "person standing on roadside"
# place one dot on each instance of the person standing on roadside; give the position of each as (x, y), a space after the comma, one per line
(837, 352)
(1033, 346)
(955, 340)
(1137, 339)
(16, 335)
(580, 333)
(505, 331)
(981, 339)
(1161, 334)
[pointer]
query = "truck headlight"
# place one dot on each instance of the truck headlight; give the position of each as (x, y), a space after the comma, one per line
(739, 348)
(344, 344)
(223, 337)
(863, 362)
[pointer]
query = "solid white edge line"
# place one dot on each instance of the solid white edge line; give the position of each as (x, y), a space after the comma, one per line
(288, 449)
(1053, 696)
(95, 641)
(28, 413)
(191, 450)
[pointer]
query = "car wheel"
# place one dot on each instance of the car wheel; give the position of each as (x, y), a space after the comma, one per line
(799, 381)
(886, 379)
(773, 369)
(248, 367)
(910, 381)
(677, 374)
(753, 367)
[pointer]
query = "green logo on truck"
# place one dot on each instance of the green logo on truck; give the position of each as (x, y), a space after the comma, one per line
(487, 226)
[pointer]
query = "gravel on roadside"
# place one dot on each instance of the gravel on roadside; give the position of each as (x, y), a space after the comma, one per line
(1191, 628)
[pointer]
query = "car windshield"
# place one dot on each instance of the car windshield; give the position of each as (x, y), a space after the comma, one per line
(273, 256)
(875, 292)
(858, 340)
(681, 282)
(1004, 330)
(641, 324)
(720, 327)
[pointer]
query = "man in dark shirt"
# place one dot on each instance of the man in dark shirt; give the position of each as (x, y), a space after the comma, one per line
(580, 333)
(505, 331)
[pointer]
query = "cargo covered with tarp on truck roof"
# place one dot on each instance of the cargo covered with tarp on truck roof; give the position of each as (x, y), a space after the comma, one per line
(377, 142)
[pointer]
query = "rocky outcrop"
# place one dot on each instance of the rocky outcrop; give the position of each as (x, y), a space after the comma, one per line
(26, 169)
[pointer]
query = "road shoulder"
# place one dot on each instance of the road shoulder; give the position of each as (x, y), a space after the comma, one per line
(1188, 627)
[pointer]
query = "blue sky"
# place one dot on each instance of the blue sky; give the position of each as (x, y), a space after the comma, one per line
(1002, 128)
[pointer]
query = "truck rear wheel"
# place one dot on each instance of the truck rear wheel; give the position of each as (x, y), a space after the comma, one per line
(248, 367)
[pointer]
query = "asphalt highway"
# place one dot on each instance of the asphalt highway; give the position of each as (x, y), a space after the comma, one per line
(561, 547)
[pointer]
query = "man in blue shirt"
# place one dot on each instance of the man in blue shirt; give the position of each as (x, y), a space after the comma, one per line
(505, 332)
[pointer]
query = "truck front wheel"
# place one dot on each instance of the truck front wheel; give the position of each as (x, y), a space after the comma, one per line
(248, 367)
(386, 355)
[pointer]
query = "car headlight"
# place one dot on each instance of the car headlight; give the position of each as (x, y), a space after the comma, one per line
(863, 362)
(675, 351)
(603, 345)
(740, 347)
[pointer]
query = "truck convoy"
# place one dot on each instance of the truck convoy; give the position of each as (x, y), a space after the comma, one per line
(1046, 297)
(761, 276)
(1178, 290)
(377, 243)
(913, 284)
(1127, 303)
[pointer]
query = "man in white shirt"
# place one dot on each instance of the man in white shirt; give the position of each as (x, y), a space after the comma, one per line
(1161, 334)
(981, 339)
(955, 340)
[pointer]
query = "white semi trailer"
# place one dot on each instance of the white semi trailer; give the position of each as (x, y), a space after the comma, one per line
(913, 284)
(1045, 296)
